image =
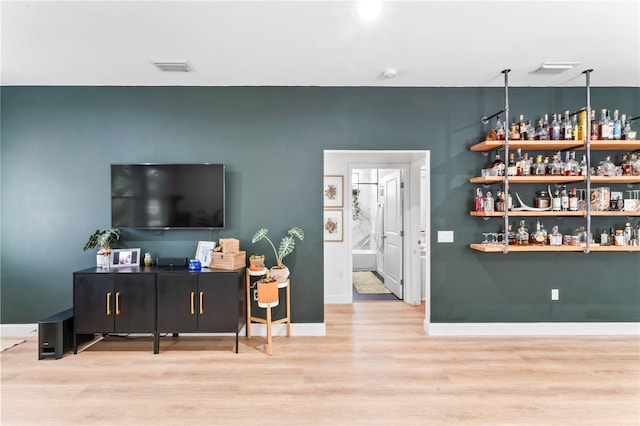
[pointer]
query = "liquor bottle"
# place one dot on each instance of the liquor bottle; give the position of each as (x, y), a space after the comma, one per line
(583, 165)
(626, 127)
(604, 238)
(573, 200)
(617, 126)
(488, 202)
(538, 237)
(555, 128)
(511, 236)
(526, 165)
(499, 200)
(567, 128)
(594, 126)
(605, 132)
(564, 199)
(522, 128)
(511, 168)
(499, 128)
(522, 235)
(479, 201)
(514, 133)
(574, 128)
(571, 167)
(556, 204)
(519, 163)
(498, 166)
(545, 128)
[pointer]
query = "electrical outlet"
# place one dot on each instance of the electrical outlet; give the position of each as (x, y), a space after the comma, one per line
(255, 295)
(555, 294)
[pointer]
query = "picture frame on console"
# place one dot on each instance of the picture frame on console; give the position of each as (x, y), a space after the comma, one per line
(203, 252)
(124, 257)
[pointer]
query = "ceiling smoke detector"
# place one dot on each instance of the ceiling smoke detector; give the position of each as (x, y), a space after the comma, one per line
(390, 73)
(173, 66)
(555, 67)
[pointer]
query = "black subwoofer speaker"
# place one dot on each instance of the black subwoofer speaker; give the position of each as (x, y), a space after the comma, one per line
(172, 261)
(55, 335)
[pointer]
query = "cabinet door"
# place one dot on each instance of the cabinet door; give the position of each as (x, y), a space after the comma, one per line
(177, 303)
(135, 303)
(93, 303)
(219, 309)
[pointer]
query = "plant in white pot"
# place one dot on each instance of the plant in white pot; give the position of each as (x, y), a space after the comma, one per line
(287, 244)
(102, 238)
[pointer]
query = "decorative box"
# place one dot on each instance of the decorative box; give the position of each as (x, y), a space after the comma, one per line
(228, 261)
(229, 245)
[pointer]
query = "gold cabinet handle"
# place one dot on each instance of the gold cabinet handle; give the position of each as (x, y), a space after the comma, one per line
(201, 307)
(193, 302)
(117, 303)
(108, 303)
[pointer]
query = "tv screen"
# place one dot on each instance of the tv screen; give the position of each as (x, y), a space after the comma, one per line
(167, 196)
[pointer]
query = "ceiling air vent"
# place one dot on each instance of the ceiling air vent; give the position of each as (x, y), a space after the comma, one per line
(555, 67)
(173, 66)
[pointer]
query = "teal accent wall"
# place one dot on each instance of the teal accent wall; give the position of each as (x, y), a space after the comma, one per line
(58, 143)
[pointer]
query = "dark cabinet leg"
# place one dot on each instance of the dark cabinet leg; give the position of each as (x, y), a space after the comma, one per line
(156, 343)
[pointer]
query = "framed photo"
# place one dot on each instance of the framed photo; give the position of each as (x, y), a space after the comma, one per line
(333, 191)
(125, 257)
(333, 224)
(203, 252)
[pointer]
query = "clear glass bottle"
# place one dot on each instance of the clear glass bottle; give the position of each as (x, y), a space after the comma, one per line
(545, 128)
(626, 127)
(571, 166)
(555, 128)
(497, 166)
(567, 127)
(522, 236)
(573, 200)
(617, 126)
(607, 167)
(526, 165)
(604, 130)
(499, 128)
(582, 167)
(511, 167)
(488, 202)
(556, 166)
(538, 237)
(564, 199)
(556, 202)
(574, 128)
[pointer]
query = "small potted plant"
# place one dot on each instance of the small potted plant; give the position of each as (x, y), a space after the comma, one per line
(102, 238)
(287, 244)
(256, 262)
(267, 289)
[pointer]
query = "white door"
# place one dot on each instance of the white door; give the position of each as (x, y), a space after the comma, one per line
(393, 232)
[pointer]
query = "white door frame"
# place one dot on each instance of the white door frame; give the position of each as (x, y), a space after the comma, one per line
(413, 160)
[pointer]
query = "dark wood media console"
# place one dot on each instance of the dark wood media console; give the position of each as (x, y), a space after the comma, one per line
(158, 300)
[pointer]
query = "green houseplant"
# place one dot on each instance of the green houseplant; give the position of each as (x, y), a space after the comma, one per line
(287, 245)
(103, 239)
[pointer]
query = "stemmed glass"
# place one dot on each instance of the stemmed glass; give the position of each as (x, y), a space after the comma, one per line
(486, 236)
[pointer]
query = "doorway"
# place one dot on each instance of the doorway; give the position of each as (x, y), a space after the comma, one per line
(377, 233)
(415, 264)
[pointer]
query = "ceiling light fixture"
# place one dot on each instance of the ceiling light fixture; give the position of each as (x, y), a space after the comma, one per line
(555, 67)
(173, 66)
(369, 9)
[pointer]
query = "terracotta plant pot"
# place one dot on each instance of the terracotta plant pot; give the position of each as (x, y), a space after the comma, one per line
(256, 263)
(267, 291)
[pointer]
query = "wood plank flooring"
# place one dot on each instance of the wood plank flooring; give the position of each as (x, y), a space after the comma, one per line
(375, 367)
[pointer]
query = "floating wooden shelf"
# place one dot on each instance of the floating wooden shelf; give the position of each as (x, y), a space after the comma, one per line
(522, 213)
(608, 213)
(537, 179)
(499, 248)
(597, 145)
(615, 179)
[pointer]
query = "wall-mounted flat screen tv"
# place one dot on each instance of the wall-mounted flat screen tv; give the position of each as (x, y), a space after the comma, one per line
(168, 196)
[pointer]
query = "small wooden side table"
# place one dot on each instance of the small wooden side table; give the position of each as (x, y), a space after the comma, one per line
(268, 322)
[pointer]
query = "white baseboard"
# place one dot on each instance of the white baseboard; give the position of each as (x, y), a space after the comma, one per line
(18, 330)
(257, 329)
(533, 329)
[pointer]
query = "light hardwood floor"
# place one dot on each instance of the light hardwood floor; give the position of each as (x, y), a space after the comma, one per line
(375, 367)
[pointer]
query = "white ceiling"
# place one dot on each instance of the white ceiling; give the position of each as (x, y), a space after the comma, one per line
(319, 43)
